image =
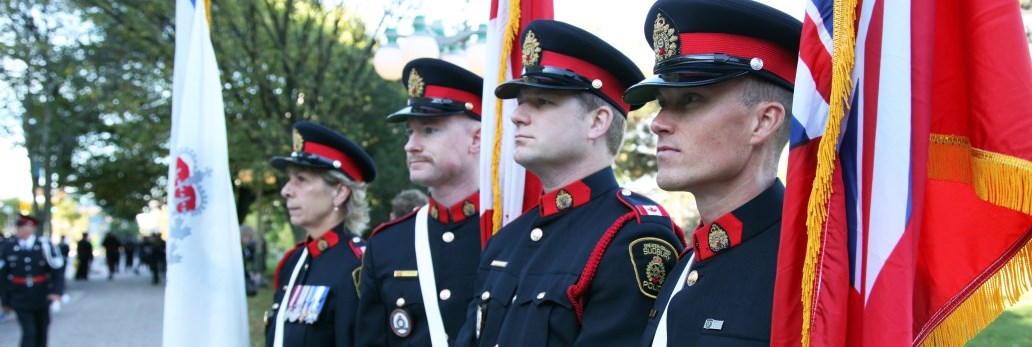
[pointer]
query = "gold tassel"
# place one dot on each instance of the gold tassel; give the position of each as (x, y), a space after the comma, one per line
(511, 34)
(843, 58)
(994, 295)
(998, 179)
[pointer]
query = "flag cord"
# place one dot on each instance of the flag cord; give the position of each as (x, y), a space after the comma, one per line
(844, 42)
(509, 36)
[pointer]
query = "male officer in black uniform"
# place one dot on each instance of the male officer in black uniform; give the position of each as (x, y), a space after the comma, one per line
(582, 269)
(415, 288)
(724, 76)
(316, 284)
(30, 279)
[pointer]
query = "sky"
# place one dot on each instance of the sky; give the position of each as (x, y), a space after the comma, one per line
(619, 22)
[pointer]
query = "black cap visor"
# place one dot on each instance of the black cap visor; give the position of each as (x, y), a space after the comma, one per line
(306, 160)
(696, 71)
(544, 77)
(424, 107)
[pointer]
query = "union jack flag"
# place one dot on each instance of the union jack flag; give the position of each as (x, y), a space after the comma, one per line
(908, 208)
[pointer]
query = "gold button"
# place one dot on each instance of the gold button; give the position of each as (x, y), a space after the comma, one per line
(536, 234)
(448, 236)
(692, 278)
(445, 294)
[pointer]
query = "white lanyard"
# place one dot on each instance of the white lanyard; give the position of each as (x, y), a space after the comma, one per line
(427, 283)
(281, 316)
(660, 339)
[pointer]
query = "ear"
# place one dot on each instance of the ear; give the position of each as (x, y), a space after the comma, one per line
(601, 119)
(769, 117)
(341, 194)
(474, 148)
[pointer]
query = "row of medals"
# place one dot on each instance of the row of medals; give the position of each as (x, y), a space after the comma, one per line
(306, 302)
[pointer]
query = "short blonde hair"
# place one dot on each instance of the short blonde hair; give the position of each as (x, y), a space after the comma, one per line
(356, 208)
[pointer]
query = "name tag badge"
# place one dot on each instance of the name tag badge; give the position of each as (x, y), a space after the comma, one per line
(405, 273)
(713, 324)
(499, 263)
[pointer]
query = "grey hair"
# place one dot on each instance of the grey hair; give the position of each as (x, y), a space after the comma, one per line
(356, 208)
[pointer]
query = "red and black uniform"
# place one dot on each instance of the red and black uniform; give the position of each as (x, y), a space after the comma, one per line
(581, 270)
(328, 274)
(390, 281)
(30, 270)
(729, 298)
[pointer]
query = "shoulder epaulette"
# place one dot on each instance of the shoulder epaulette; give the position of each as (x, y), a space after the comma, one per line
(393, 222)
(642, 206)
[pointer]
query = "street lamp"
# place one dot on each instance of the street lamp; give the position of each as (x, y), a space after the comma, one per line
(424, 43)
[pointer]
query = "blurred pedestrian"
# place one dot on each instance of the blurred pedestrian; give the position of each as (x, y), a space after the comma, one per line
(129, 252)
(111, 253)
(84, 256)
(316, 281)
(406, 201)
(30, 279)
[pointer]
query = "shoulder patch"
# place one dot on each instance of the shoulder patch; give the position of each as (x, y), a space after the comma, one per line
(652, 259)
(384, 225)
(640, 204)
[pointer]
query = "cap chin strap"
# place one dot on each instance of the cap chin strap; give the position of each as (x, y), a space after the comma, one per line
(427, 283)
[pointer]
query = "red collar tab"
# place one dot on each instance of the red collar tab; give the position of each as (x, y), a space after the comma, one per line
(468, 207)
(608, 84)
(776, 59)
(717, 237)
(324, 242)
(339, 160)
(471, 101)
(577, 193)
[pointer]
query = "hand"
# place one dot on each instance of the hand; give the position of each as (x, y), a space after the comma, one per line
(54, 297)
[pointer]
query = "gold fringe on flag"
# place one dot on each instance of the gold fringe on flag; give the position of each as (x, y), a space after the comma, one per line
(843, 58)
(999, 179)
(511, 34)
(999, 291)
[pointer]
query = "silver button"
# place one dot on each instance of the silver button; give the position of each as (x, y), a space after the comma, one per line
(448, 236)
(27, 259)
(625, 192)
(445, 294)
(692, 278)
(486, 295)
(535, 234)
(400, 302)
(356, 239)
(275, 306)
(541, 295)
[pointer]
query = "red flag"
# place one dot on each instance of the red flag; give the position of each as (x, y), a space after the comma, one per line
(908, 211)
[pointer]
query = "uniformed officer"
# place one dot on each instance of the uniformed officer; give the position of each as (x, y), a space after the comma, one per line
(30, 279)
(723, 77)
(316, 281)
(419, 270)
(585, 266)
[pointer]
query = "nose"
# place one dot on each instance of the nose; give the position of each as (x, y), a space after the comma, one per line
(661, 124)
(520, 116)
(286, 192)
(412, 145)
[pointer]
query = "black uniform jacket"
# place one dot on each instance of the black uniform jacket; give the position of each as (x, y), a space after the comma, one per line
(582, 269)
(28, 275)
(390, 282)
(331, 266)
(728, 301)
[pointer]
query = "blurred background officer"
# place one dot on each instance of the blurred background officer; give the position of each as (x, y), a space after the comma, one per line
(724, 77)
(30, 279)
(582, 269)
(418, 272)
(83, 257)
(112, 253)
(406, 201)
(316, 284)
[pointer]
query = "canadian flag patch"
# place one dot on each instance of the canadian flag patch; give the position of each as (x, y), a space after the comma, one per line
(651, 210)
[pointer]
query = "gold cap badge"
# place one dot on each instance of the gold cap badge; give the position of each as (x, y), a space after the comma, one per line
(664, 39)
(415, 84)
(299, 141)
(531, 49)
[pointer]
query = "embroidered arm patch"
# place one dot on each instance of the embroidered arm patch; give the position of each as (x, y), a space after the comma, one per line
(652, 259)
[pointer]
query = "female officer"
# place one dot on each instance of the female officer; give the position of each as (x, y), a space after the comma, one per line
(325, 195)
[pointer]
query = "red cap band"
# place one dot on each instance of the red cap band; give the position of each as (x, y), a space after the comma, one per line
(462, 96)
(611, 86)
(333, 154)
(776, 59)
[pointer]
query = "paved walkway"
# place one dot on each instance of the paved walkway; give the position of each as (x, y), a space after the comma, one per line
(126, 311)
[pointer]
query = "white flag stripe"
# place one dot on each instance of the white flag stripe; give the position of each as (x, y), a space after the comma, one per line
(204, 295)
